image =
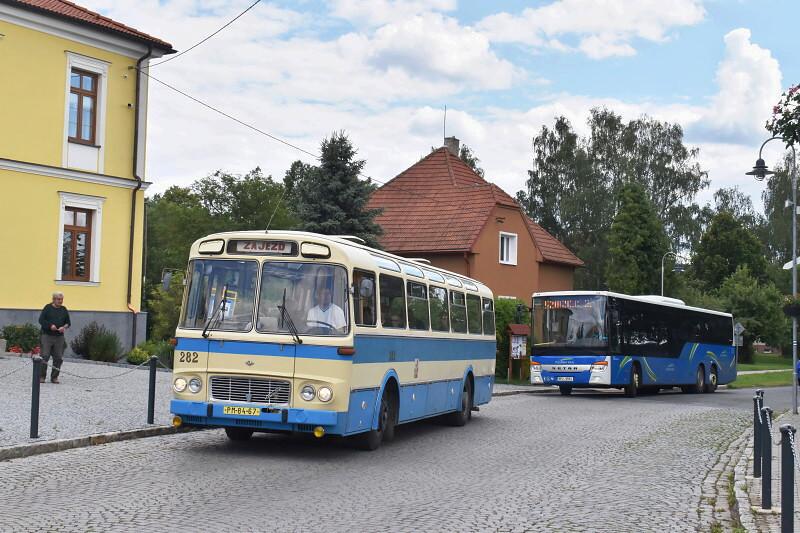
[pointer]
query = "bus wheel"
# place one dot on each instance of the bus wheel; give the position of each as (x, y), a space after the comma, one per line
(699, 381)
(711, 386)
(633, 387)
(371, 440)
(463, 415)
(564, 390)
(239, 434)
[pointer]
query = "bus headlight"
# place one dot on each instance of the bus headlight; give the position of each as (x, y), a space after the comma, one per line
(195, 385)
(324, 394)
(179, 385)
(307, 393)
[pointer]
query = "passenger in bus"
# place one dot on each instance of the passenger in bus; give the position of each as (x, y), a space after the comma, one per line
(325, 314)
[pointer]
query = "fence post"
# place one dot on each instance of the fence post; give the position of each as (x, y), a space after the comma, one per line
(766, 459)
(756, 435)
(787, 478)
(151, 393)
(37, 370)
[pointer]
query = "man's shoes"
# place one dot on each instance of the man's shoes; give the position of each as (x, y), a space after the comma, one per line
(55, 380)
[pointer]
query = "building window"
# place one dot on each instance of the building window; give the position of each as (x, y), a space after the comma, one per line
(508, 248)
(76, 244)
(78, 258)
(82, 106)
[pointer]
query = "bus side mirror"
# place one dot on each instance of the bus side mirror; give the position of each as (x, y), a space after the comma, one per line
(366, 288)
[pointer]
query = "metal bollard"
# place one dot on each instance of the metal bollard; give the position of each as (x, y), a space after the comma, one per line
(37, 370)
(787, 478)
(766, 460)
(151, 393)
(757, 404)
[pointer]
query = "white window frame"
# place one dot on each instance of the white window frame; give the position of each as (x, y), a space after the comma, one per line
(99, 67)
(94, 204)
(512, 248)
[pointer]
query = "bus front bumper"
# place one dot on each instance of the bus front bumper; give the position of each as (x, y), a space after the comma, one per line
(571, 379)
(270, 418)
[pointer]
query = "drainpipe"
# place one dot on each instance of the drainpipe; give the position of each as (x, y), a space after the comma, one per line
(135, 190)
(466, 261)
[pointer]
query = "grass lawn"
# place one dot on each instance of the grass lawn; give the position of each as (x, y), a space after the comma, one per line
(767, 362)
(773, 379)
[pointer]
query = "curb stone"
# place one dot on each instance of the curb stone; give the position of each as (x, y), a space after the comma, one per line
(26, 450)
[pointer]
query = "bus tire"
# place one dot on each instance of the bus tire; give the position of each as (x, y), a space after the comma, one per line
(713, 378)
(699, 381)
(633, 387)
(239, 434)
(564, 390)
(371, 440)
(462, 416)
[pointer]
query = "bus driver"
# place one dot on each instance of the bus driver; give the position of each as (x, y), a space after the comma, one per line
(326, 313)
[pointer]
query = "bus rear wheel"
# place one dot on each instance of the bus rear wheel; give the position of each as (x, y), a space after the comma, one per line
(564, 390)
(711, 386)
(633, 387)
(239, 434)
(463, 415)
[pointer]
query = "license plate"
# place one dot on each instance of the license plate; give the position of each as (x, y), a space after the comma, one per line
(565, 378)
(244, 411)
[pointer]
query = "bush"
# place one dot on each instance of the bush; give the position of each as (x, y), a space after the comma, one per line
(137, 356)
(162, 349)
(104, 346)
(24, 336)
(505, 311)
(80, 344)
(165, 308)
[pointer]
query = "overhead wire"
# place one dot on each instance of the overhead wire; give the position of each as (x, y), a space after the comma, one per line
(195, 45)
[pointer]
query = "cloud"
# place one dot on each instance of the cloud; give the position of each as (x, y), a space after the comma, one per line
(602, 29)
(379, 12)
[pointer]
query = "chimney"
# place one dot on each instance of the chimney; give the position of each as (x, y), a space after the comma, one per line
(452, 145)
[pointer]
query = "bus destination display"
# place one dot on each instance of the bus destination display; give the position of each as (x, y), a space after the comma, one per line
(262, 247)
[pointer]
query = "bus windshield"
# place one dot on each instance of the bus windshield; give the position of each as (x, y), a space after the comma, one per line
(570, 322)
(313, 295)
(211, 280)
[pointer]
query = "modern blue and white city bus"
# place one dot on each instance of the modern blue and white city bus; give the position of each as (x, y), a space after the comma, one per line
(590, 339)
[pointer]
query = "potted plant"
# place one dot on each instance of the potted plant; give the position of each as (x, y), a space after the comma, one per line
(791, 307)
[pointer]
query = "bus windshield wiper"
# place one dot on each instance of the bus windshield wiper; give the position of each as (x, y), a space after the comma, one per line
(220, 311)
(286, 317)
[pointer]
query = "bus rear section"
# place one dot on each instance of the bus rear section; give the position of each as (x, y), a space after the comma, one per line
(635, 343)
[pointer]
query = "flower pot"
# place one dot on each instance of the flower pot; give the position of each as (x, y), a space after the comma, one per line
(792, 309)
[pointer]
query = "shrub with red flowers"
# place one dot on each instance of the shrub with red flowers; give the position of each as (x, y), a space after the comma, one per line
(15, 349)
(785, 121)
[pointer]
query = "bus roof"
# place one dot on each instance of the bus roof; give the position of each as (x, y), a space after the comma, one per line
(651, 299)
(345, 242)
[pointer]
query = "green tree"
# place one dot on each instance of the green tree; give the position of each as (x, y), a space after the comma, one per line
(505, 311)
(332, 199)
(725, 246)
(777, 233)
(164, 306)
(757, 306)
(637, 242)
(469, 157)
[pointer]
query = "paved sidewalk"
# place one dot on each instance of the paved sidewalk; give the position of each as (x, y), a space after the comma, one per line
(745, 372)
(99, 401)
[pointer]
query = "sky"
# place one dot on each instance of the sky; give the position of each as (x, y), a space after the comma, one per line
(383, 71)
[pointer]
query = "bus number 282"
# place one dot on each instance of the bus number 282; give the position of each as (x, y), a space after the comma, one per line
(188, 357)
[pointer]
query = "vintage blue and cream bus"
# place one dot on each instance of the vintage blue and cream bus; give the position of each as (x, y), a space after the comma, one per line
(585, 339)
(300, 332)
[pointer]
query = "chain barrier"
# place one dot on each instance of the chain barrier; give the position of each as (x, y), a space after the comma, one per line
(162, 365)
(771, 433)
(49, 364)
(21, 367)
(760, 405)
(797, 467)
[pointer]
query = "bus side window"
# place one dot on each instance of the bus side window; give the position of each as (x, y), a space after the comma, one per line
(440, 315)
(474, 314)
(393, 305)
(488, 316)
(458, 312)
(418, 317)
(363, 301)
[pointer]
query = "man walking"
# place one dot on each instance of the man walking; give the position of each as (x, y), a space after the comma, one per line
(54, 320)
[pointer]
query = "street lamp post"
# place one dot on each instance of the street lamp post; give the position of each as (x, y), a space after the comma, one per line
(759, 172)
(663, 257)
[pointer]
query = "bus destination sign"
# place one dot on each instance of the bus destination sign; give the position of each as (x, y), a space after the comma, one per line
(262, 247)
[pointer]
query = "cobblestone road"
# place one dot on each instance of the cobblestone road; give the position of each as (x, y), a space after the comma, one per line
(77, 406)
(537, 462)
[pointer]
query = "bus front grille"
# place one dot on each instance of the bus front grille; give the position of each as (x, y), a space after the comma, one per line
(250, 390)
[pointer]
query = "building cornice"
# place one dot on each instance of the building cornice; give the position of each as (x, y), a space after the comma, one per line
(69, 174)
(74, 31)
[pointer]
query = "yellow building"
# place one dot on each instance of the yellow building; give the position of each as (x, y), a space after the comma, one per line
(73, 110)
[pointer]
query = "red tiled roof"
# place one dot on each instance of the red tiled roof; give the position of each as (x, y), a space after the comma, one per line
(552, 250)
(519, 329)
(75, 13)
(440, 205)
